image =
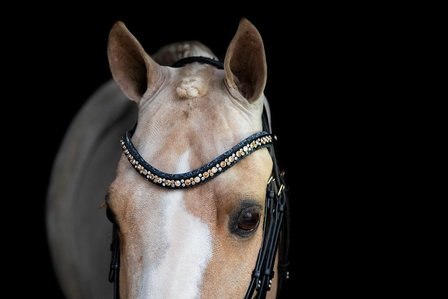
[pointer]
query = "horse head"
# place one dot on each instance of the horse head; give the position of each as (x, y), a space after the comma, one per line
(201, 241)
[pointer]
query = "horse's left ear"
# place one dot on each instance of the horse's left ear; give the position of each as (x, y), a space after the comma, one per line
(245, 62)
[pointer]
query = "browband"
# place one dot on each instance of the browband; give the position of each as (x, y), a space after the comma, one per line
(199, 175)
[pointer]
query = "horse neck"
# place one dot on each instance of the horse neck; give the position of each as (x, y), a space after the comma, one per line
(171, 53)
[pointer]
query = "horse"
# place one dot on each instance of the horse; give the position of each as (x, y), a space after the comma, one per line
(197, 201)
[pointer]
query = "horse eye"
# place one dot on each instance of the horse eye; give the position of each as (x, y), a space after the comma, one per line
(248, 219)
(245, 218)
(246, 222)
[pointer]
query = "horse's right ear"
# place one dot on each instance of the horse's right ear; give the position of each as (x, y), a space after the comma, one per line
(245, 62)
(134, 71)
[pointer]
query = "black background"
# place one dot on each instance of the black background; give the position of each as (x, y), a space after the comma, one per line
(59, 59)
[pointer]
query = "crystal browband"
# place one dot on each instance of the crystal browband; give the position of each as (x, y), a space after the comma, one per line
(199, 175)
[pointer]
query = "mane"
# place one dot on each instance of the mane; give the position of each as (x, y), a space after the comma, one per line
(169, 54)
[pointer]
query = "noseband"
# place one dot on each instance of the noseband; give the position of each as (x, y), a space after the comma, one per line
(276, 219)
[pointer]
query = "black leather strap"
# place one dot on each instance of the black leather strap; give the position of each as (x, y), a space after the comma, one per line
(114, 270)
(201, 59)
(275, 231)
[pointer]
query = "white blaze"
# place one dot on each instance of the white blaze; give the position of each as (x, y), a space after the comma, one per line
(179, 273)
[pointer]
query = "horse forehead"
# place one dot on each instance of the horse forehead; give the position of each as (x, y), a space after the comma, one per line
(195, 112)
(196, 86)
(205, 126)
(193, 81)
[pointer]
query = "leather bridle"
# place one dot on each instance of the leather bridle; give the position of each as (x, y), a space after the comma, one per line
(276, 214)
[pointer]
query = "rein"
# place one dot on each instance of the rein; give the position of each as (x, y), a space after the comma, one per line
(276, 221)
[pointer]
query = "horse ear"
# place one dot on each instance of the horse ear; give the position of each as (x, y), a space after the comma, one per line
(134, 71)
(245, 62)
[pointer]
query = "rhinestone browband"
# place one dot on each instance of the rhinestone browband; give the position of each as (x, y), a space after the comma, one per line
(199, 175)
